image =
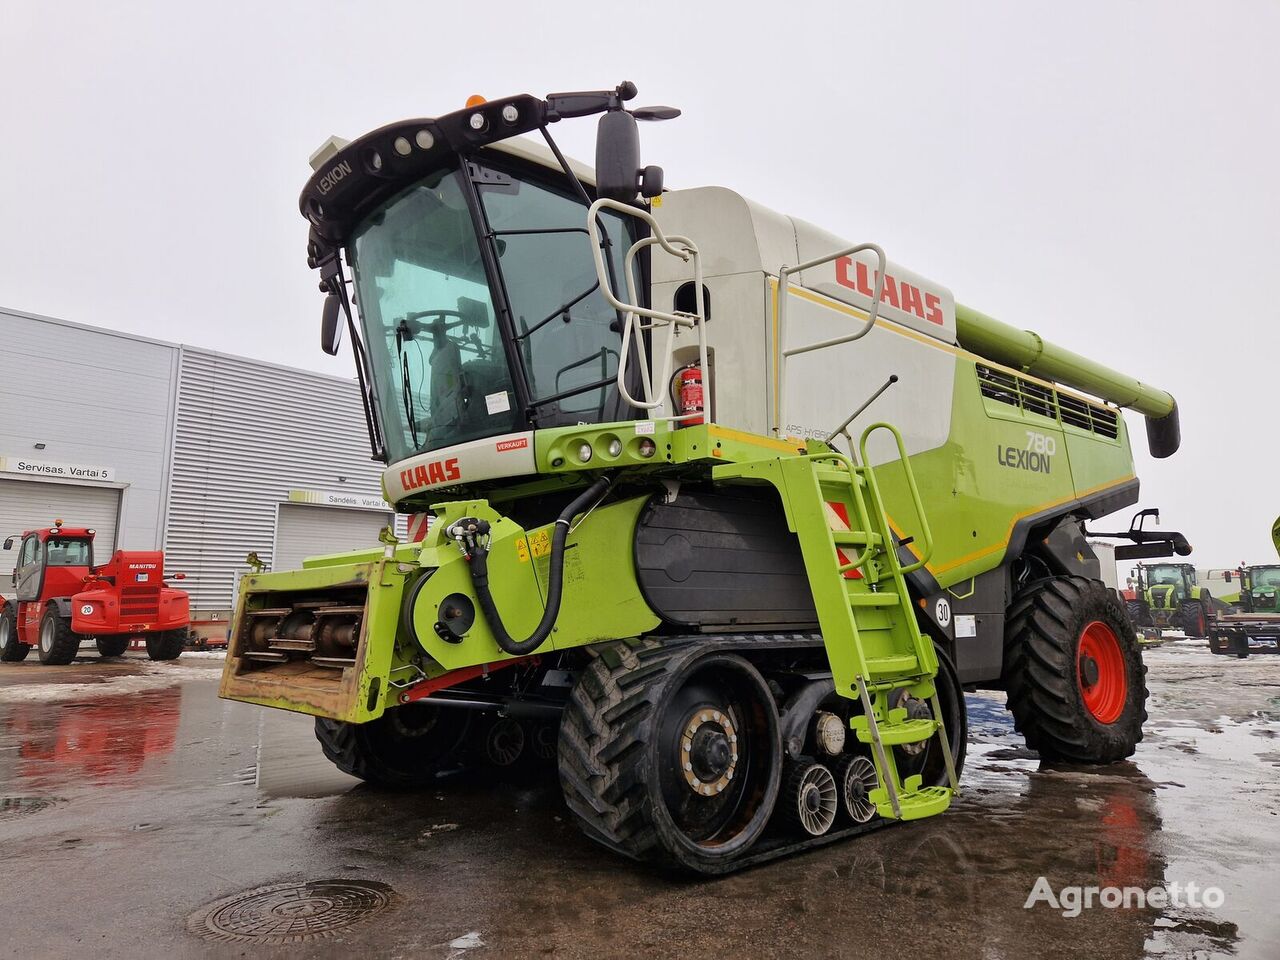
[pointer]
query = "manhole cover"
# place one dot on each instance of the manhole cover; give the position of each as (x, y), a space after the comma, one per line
(11, 808)
(290, 912)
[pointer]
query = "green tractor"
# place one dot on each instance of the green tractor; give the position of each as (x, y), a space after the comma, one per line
(1252, 622)
(1166, 596)
(726, 512)
(1259, 588)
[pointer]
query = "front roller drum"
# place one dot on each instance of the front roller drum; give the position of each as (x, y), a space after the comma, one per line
(670, 753)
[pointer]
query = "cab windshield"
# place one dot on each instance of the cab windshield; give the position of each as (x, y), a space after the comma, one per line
(1268, 577)
(1165, 575)
(68, 553)
(442, 360)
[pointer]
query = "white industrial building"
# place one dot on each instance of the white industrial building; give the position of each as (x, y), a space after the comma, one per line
(160, 445)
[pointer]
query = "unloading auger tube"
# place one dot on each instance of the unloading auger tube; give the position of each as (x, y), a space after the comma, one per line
(472, 535)
(1027, 351)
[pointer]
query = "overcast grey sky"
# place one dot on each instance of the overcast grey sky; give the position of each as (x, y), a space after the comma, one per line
(1102, 173)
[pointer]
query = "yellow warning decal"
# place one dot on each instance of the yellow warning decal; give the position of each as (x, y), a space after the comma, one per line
(538, 544)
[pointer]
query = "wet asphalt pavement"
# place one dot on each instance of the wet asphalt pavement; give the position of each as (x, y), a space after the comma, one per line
(132, 800)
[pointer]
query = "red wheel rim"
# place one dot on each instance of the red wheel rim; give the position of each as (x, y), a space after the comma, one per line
(1100, 672)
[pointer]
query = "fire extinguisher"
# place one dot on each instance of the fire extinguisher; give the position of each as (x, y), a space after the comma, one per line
(686, 391)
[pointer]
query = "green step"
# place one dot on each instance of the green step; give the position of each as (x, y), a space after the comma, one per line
(925, 802)
(840, 481)
(884, 598)
(898, 665)
(905, 731)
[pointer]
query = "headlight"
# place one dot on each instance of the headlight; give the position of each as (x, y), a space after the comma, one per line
(584, 452)
(647, 448)
(615, 447)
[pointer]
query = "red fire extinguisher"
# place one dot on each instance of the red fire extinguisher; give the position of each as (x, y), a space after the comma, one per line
(686, 388)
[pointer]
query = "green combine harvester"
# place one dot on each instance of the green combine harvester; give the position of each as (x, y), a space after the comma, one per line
(727, 511)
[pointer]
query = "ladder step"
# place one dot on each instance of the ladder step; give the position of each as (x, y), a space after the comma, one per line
(905, 731)
(885, 598)
(925, 802)
(854, 538)
(841, 480)
(901, 664)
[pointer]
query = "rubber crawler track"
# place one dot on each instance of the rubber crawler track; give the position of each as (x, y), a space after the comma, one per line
(602, 745)
(1041, 638)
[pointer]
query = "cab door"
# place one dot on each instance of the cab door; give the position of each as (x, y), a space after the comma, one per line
(28, 573)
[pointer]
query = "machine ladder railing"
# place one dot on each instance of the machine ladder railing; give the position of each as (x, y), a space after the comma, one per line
(785, 352)
(907, 660)
(633, 326)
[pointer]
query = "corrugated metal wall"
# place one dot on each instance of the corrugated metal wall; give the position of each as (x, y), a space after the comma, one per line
(246, 434)
(91, 397)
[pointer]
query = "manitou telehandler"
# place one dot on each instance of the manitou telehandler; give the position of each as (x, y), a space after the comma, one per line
(63, 600)
(736, 506)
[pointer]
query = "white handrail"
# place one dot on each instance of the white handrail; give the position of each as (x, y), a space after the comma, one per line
(784, 353)
(686, 250)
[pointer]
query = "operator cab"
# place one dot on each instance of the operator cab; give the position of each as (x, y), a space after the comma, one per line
(473, 274)
(57, 552)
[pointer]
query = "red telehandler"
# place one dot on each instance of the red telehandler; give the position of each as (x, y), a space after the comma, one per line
(63, 599)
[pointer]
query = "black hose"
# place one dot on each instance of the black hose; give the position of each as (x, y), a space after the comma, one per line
(479, 564)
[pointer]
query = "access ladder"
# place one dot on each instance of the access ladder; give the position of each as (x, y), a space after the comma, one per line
(877, 654)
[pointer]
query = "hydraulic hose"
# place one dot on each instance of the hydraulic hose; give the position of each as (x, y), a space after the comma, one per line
(477, 547)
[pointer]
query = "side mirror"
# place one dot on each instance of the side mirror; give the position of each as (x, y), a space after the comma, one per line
(617, 156)
(1226, 575)
(8, 543)
(330, 328)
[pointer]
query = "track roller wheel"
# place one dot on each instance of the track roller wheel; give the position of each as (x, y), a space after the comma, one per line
(503, 742)
(404, 748)
(809, 798)
(856, 778)
(669, 753)
(1074, 672)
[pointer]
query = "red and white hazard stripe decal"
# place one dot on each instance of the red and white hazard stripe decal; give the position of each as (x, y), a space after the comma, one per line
(838, 519)
(419, 526)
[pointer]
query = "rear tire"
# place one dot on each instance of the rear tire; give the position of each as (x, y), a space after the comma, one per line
(405, 748)
(11, 651)
(1074, 673)
(1193, 619)
(59, 644)
(623, 736)
(167, 644)
(113, 646)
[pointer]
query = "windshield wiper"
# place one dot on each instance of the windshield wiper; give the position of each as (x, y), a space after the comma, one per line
(403, 336)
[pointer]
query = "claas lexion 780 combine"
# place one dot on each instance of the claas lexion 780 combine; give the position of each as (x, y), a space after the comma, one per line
(728, 510)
